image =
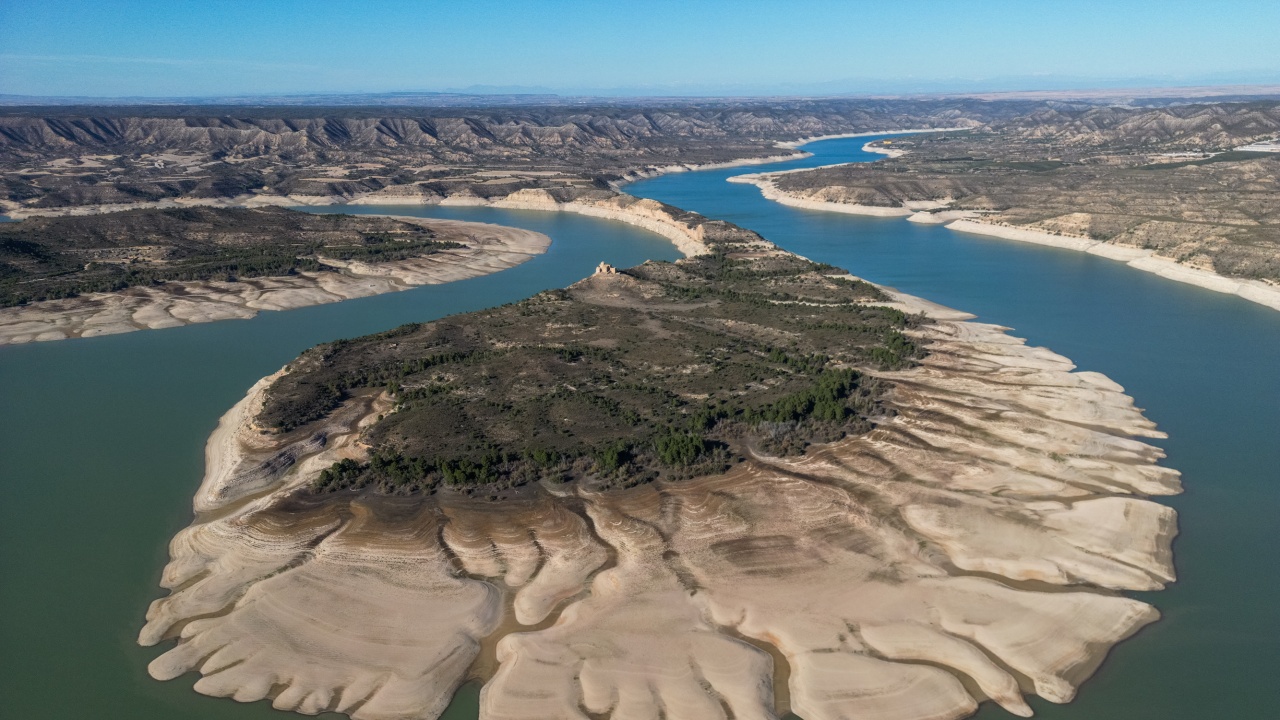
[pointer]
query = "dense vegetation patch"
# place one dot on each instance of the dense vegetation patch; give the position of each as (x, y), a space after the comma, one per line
(49, 258)
(667, 370)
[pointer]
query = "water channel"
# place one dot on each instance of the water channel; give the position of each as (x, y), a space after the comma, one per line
(101, 444)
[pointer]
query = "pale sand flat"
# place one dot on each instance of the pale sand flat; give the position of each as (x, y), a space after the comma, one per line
(967, 549)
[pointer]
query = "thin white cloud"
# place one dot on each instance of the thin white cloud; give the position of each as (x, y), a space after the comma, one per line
(169, 62)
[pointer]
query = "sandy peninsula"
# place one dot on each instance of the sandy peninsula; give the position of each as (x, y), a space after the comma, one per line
(492, 248)
(871, 147)
(769, 189)
(970, 548)
(488, 248)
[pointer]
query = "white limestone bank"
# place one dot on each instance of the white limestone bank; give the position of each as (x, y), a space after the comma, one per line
(969, 548)
(881, 150)
(488, 249)
(1257, 291)
(770, 191)
(684, 230)
(935, 213)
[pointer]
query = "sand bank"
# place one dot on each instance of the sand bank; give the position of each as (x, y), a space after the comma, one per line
(880, 150)
(1256, 291)
(771, 192)
(967, 549)
(489, 249)
(648, 214)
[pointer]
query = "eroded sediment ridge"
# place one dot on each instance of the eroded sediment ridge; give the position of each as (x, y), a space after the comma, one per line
(971, 546)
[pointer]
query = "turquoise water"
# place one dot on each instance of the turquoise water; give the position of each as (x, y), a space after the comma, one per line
(1206, 366)
(101, 445)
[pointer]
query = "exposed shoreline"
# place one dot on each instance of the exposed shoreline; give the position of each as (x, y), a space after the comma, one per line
(841, 136)
(1256, 291)
(891, 152)
(623, 208)
(770, 191)
(490, 248)
(1142, 259)
(176, 304)
(1049, 495)
(642, 213)
(693, 167)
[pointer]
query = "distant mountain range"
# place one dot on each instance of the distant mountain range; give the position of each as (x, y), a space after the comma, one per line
(505, 96)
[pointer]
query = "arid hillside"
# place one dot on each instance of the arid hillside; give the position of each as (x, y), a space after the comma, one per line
(1165, 180)
(69, 156)
(57, 157)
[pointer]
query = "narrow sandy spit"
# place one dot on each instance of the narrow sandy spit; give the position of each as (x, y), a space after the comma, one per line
(879, 150)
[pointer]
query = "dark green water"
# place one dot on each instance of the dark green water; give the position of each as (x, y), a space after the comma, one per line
(101, 450)
(101, 445)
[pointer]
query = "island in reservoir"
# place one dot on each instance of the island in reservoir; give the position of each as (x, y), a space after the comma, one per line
(731, 486)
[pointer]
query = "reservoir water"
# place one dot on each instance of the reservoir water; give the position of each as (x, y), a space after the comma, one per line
(101, 450)
(101, 444)
(1206, 367)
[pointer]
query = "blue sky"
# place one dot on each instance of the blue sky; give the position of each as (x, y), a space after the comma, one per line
(176, 48)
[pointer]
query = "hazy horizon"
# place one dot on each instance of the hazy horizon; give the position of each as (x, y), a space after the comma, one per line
(571, 48)
(1010, 86)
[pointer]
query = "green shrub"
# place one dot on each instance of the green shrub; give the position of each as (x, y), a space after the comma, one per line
(680, 449)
